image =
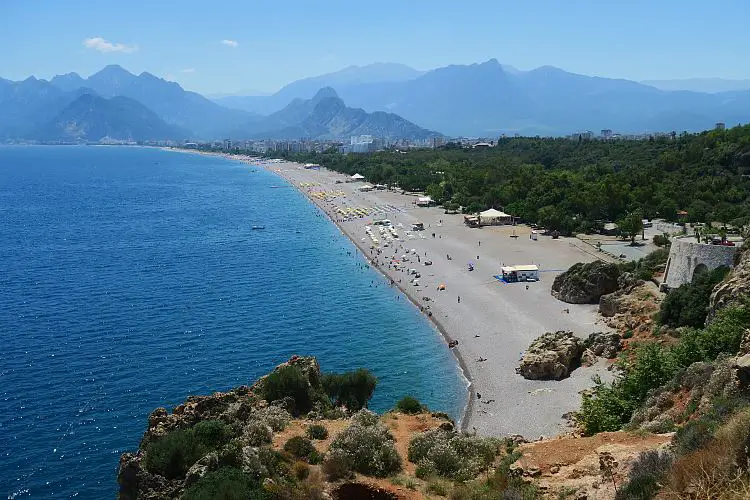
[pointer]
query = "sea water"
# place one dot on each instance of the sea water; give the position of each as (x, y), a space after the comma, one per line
(131, 278)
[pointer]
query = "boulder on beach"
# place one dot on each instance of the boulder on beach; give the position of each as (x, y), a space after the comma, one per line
(586, 283)
(604, 344)
(552, 356)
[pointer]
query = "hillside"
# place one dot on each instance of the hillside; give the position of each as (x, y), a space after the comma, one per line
(91, 118)
(258, 442)
(24, 105)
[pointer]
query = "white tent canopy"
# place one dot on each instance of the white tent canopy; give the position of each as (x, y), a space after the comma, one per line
(357, 177)
(493, 214)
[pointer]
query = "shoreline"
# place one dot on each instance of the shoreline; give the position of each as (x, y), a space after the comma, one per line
(468, 404)
(498, 401)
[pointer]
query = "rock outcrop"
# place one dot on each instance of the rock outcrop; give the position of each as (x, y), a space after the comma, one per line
(734, 288)
(243, 409)
(552, 356)
(632, 308)
(586, 283)
(604, 344)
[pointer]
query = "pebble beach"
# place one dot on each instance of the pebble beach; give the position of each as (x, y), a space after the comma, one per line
(490, 322)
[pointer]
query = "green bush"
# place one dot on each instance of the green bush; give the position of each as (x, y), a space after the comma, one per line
(301, 447)
(226, 483)
(317, 431)
(661, 240)
(687, 305)
(454, 456)
(338, 464)
(289, 381)
(651, 263)
(368, 444)
(172, 455)
(212, 433)
(410, 405)
(257, 433)
(275, 417)
(351, 389)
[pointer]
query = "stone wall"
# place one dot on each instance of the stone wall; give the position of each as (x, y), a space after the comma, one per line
(686, 256)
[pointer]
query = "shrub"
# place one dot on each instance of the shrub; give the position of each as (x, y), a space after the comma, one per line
(317, 431)
(410, 405)
(289, 381)
(369, 446)
(337, 465)
(231, 455)
(687, 305)
(172, 455)
(458, 457)
(437, 487)
(300, 470)
(661, 240)
(351, 389)
(257, 433)
(301, 447)
(226, 483)
(275, 417)
(646, 267)
(644, 476)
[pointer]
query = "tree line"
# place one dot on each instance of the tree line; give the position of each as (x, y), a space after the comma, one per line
(573, 186)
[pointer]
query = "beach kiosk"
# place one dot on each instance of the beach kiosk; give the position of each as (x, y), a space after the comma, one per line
(512, 274)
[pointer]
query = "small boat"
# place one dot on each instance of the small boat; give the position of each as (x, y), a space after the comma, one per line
(259, 227)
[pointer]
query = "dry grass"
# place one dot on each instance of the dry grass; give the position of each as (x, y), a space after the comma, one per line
(718, 470)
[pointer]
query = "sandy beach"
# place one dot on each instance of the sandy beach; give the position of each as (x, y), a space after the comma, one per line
(493, 321)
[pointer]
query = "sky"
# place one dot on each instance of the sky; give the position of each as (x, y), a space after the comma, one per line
(259, 45)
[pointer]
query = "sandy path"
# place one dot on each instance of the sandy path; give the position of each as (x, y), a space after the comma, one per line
(493, 321)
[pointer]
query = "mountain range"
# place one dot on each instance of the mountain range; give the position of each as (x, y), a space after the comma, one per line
(117, 104)
(391, 100)
(489, 99)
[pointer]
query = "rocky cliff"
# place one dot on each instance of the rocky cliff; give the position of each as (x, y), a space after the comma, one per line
(735, 287)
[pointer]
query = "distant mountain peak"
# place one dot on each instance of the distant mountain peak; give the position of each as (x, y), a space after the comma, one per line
(325, 93)
(114, 67)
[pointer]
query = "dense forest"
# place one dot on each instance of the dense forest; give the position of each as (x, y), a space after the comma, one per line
(573, 185)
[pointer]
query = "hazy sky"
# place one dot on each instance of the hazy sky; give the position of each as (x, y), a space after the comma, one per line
(221, 46)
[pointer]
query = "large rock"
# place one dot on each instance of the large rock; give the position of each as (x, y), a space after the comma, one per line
(610, 304)
(605, 344)
(586, 283)
(734, 288)
(552, 356)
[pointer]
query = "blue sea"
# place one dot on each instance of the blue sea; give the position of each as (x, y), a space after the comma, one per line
(131, 278)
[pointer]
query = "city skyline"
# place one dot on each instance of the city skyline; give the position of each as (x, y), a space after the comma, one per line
(261, 47)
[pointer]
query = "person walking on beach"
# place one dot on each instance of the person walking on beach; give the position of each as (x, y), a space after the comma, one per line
(459, 299)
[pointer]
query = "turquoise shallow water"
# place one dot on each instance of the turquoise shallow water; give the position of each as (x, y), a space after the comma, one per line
(131, 278)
